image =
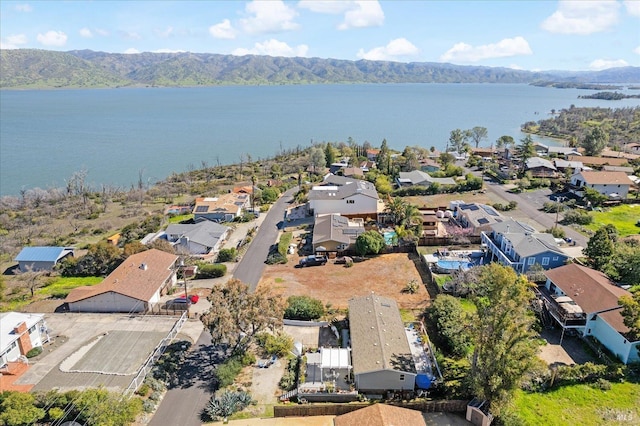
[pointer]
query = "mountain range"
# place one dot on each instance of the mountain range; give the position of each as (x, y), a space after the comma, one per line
(33, 68)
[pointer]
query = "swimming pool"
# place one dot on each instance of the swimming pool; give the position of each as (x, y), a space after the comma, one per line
(448, 266)
(390, 238)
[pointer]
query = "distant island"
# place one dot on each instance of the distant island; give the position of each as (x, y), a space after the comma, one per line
(573, 85)
(609, 96)
(43, 69)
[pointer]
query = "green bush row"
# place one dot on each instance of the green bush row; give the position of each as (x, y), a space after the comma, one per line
(211, 270)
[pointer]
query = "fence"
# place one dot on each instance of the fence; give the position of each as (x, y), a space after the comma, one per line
(447, 406)
(157, 353)
(158, 309)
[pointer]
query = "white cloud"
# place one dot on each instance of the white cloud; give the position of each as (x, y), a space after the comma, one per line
(223, 30)
(273, 48)
(86, 33)
(394, 49)
(131, 51)
(633, 7)
(13, 41)
(462, 52)
(52, 38)
(582, 17)
(363, 14)
(637, 50)
(164, 33)
(23, 7)
(603, 64)
(269, 17)
(333, 7)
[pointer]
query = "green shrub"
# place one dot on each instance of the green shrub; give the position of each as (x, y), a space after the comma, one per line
(303, 308)
(579, 217)
(275, 344)
(556, 232)
(227, 372)
(155, 396)
(283, 244)
(148, 406)
(34, 352)
(227, 255)
(211, 270)
(143, 390)
(224, 405)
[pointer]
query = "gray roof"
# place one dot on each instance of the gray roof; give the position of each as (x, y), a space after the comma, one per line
(418, 177)
(564, 164)
(526, 240)
(345, 191)
(535, 162)
(627, 170)
(378, 338)
(43, 254)
(480, 214)
(206, 233)
(333, 227)
(563, 150)
(336, 180)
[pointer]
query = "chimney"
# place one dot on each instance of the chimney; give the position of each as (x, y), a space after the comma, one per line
(24, 341)
(143, 266)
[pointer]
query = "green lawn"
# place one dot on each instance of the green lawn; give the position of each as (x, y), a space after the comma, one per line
(468, 306)
(581, 405)
(623, 217)
(61, 286)
(180, 218)
(441, 279)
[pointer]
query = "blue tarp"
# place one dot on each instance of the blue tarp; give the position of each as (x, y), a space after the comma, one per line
(423, 381)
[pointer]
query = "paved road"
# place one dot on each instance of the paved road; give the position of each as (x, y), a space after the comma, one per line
(252, 265)
(184, 402)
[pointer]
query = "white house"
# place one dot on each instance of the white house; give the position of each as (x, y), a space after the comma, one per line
(19, 333)
(41, 258)
(612, 184)
(134, 286)
(381, 356)
(201, 238)
(357, 198)
(586, 300)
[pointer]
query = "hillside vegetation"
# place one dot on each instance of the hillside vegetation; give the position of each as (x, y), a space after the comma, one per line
(30, 68)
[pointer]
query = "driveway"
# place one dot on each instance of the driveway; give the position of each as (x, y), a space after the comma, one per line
(252, 265)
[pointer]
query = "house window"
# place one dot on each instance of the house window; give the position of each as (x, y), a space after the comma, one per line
(545, 261)
(402, 377)
(531, 261)
(351, 201)
(555, 258)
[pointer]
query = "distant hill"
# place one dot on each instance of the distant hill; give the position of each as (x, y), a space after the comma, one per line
(30, 68)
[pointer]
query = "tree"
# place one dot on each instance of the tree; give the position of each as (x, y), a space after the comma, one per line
(384, 158)
(237, 314)
(303, 308)
(526, 150)
(595, 141)
(383, 184)
(458, 140)
(395, 208)
(599, 248)
(369, 242)
(133, 248)
(447, 313)
(505, 141)
(19, 409)
(32, 279)
(478, 134)
(631, 314)
(625, 263)
(316, 158)
(410, 159)
(503, 336)
(446, 159)
(329, 155)
(594, 197)
(269, 195)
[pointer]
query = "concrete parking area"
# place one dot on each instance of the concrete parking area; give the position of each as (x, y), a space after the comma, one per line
(121, 344)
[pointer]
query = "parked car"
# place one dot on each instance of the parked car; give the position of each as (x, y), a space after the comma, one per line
(192, 297)
(343, 260)
(180, 303)
(313, 260)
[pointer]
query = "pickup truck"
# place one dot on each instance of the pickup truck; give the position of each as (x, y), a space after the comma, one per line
(313, 260)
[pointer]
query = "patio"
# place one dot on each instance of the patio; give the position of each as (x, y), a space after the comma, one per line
(327, 371)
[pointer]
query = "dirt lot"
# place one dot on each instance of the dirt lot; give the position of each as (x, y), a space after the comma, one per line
(386, 275)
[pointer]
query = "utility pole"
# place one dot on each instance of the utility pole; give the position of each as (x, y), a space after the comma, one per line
(558, 199)
(181, 267)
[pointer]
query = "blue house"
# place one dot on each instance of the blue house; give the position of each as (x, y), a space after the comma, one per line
(41, 258)
(520, 246)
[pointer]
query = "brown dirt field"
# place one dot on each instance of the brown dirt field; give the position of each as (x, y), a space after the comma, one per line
(385, 275)
(442, 200)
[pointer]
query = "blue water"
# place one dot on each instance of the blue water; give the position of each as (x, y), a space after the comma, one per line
(389, 237)
(115, 134)
(454, 265)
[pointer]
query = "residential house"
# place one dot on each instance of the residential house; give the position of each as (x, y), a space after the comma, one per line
(334, 233)
(420, 178)
(381, 415)
(223, 208)
(372, 154)
(356, 198)
(540, 148)
(19, 333)
(484, 153)
(609, 153)
(597, 161)
(177, 210)
(42, 258)
(562, 165)
(368, 165)
(380, 352)
(337, 166)
(431, 226)
(540, 167)
(202, 238)
(134, 286)
(563, 151)
(352, 172)
(428, 165)
(114, 240)
(626, 170)
(612, 184)
(246, 189)
(586, 300)
(519, 246)
(478, 217)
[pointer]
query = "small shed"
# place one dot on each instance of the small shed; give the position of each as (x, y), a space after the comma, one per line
(41, 258)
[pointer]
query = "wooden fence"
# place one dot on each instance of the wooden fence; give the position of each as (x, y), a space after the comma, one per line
(304, 410)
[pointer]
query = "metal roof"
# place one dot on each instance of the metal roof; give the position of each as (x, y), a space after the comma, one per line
(42, 254)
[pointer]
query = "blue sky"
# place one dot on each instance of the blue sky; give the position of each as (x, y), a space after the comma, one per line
(531, 35)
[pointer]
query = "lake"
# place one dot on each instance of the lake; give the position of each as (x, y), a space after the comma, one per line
(46, 135)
